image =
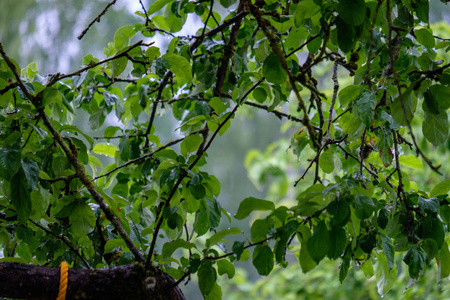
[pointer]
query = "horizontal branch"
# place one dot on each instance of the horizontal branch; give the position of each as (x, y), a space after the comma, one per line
(139, 159)
(124, 282)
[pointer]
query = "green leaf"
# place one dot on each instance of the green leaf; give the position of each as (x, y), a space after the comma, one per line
(152, 53)
(273, 71)
(24, 252)
(385, 276)
(442, 188)
(345, 264)
(430, 248)
(353, 12)
(435, 127)
(119, 65)
(248, 205)
(10, 159)
(319, 243)
(409, 103)
(305, 10)
(105, 149)
(260, 229)
(20, 196)
(411, 161)
(198, 191)
(340, 210)
(114, 243)
(364, 206)
(312, 200)
(338, 242)
(123, 35)
(206, 277)
(238, 248)
(72, 128)
(368, 243)
(157, 5)
(39, 203)
(388, 249)
(383, 218)
(179, 65)
(215, 294)
(422, 8)
(82, 218)
(305, 259)
(425, 37)
(444, 213)
(326, 162)
(349, 94)
(283, 235)
(443, 262)
(299, 141)
(224, 266)
(170, 247)
(415, 259)
(218, 105)
(219, 236)
(428, 205)
(433, 228)
(259, 94)
(263, 259)
(227, 3)
(441, 94)
(191, 144)
(31, 170)
(364, 107)
(385, 143)
(345, 36)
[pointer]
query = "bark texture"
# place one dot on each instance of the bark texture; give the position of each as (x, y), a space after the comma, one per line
(124, 282)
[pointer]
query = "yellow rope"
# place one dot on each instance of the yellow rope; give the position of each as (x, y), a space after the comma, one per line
(63, 281)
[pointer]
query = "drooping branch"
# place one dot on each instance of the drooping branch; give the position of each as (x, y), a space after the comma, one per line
(263, 24)
(392, 58)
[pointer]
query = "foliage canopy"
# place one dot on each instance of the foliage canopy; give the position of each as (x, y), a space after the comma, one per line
(364, 86)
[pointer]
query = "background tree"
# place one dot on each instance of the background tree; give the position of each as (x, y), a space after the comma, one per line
(354, 202)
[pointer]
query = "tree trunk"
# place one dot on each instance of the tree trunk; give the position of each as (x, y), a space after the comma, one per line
(124, 282)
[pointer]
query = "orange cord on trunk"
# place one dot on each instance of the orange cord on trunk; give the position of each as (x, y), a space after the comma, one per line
(63, 280)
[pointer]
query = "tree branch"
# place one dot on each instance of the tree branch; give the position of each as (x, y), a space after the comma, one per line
(96, 19)
(182, 176)
(37, 282)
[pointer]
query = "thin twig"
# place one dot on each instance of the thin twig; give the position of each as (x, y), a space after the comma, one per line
(375, 175)
(245, 247)
(316, 158)
(65, 241)
(155, 105)
(96, 19)
(400, 95)
(147, 19)
(58, 76)
(137, 229)
(333, 99)
(139, 159)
